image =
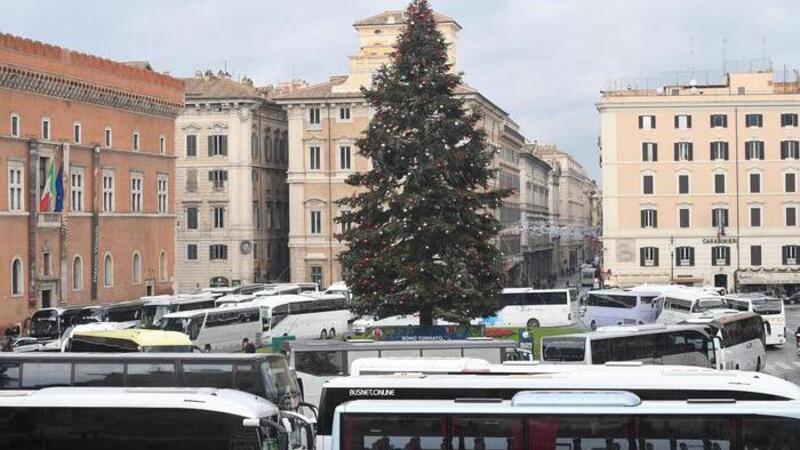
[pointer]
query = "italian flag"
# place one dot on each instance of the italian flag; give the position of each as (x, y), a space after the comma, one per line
(47, 202)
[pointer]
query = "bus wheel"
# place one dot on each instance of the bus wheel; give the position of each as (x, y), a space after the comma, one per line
(533, 323)
(332, 333)
(593, 325)
(758, 364)
(323, 334)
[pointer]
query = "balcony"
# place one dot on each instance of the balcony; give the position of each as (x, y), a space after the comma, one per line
(49, 220)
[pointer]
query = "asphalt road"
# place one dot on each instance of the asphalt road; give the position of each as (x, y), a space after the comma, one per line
(783, 360)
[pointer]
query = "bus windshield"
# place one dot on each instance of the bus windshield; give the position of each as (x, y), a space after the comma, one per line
(566, 349)
(706, 304)
(285, 382)
(767, 306)
(187, 325)
(44, 324)
(627, 301)
(152, 314)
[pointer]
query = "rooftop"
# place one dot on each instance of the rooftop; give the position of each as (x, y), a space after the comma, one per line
(391, 17)
(210, 86)
(324, 90)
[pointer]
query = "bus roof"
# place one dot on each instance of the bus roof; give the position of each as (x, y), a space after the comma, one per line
(135, 356)
(143, 338)
(630, 330)
(691, 293)
(634, 378)
(750, 296)
(200, 312)
(721, 316)
(282, 299)
(181, 299)
(226, 401)
(528, 290)
(315, 345)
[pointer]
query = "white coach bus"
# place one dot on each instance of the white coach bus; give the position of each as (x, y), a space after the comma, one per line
(680, 303)
(219, 329)
(649, 383)
(619, 307)
(126, 418)
(740, 338)
(304, 316)
(769, 308)
(531, 308)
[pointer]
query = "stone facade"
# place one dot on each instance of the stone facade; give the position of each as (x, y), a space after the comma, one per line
(700, 183)
(109, 126)
(233, 200)
(326, 119)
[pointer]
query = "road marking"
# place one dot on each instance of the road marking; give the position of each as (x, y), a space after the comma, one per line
(783, 366)
(796, 363)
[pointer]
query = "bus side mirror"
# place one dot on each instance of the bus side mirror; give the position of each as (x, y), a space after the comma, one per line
(287, 424)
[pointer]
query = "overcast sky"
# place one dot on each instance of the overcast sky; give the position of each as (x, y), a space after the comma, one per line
(542, 61)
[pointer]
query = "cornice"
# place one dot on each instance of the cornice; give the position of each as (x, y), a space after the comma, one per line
(68, 89)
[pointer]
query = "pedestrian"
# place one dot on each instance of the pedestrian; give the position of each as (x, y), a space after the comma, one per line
(207, 348)
(245, 341)
(250, 347)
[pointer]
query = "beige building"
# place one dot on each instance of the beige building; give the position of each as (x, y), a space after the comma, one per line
(326, 119)
(232, 197)
(537, 244)
(700, 183)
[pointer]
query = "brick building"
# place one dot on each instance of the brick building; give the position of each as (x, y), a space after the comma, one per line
(109, 127)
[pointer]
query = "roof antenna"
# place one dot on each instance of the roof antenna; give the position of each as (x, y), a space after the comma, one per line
(724, 60)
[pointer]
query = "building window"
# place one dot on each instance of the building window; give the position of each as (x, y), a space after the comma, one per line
(344, 157)
(789, 120)
(683, 184)
(217, 252)
(649, 151)
(191, 218)
(218, 179)
(76, 189)
(684, 151)
(755, 255)
(316, 222)
(77, 274)
(720, 255)
(256, 216)
(15, 125)
(313, 116)
(346, 226)
(647, 122)
(791, 216)
(76, 133)
(267, 147)
(108, 191)
(648, 256)
(191, 146)
(254, 154)
(753, 120)
(684, 216)
(218, 214)
(719, 183)
(108, 271)
(162, 266)
(108, 138)
(719, 217)
(684, 256)
(16, 201)
(316, 274)
(191, 180)
(46, 129)
(790, 150)
(755, 183)
(649, 218)
(344, 113)
(790, 182)
(17, 278)
(790, 255)
(47, 263)
(163, 190)
(162, 145)
(315, 157)
(755, 216)
(136, 193)
(218, 145)
(719, 121)
(136, 141)
(137, 268)
(191, 252)
(647, 184)
(683, 121)
(719, 151)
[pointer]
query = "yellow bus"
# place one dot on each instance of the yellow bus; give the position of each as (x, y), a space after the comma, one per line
(131, 340)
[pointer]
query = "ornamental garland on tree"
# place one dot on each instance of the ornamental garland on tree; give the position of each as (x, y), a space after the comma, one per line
(422, 232)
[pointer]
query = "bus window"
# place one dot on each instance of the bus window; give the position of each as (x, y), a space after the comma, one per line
(769, 432)
(9, 375)
(151, 375)
(247, 379)
(320, 363)
(36, 375)
(278, 314)
(486, 433)
(98, 374)
(204, 375)
(564, 349)
(387, 433)
(601, 351)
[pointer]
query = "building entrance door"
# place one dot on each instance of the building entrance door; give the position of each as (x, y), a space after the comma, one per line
(721, 280)
(46, 298)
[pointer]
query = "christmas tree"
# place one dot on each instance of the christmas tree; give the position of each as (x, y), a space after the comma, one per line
(422, 222)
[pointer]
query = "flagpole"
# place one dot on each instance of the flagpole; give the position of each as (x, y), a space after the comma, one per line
(63, 229)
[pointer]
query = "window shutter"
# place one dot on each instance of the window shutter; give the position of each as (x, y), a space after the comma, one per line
(691, 256)
(677, 120)
(224, 145)
(784, 119)
(725, 218)
(711, 121)
(725, 121)
(641, 120)
(725, 150)
(655, 149)
(747, 150)
(784, 149)
(210, 145)
(641, 217)
(714, 218)
(210, 175)
(676, 151)
(641, 256)
(785, 254)
(691, 151)
(727, 256)
(678, 256)
(644, 150)
(655, 219)
(711, 151)
(653, 121)
(655, 258)
(225, 175)
(688, 121)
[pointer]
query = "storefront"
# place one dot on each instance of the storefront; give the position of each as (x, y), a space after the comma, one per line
(782, 281)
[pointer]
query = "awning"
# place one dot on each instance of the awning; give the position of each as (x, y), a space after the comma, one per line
(769, 276)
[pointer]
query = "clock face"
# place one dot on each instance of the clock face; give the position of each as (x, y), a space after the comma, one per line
(245, 247)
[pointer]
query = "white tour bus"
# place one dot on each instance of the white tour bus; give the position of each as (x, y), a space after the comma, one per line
(619, 307)
(220, 329)
(566, 420)
(233, 299)
(157, 306)
(319, 361)
(651, 383)
(303, 316)
(769, 308)
(531, 308)
(131, 418)
(685, 345)
(740, 336)
(679, 303)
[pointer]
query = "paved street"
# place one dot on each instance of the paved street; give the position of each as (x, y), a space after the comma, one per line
(783, 361)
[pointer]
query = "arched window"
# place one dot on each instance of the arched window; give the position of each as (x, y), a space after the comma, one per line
(162, 265)
(17, 277)
(108, 271)
(137, 268)
(267, 148)
(77, 274)
(276, 147)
